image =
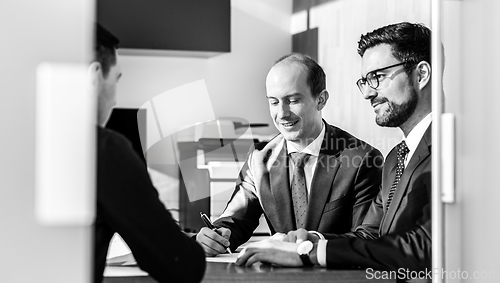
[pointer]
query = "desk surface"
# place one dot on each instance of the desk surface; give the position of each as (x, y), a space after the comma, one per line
(228, 272)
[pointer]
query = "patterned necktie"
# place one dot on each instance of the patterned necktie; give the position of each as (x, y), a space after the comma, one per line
(402, 150)
(298, 186)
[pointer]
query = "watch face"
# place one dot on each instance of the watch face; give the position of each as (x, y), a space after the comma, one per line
(305, 247)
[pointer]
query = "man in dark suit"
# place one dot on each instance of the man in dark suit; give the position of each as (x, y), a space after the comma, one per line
(396, 232)
(127, 202)
(340, 173)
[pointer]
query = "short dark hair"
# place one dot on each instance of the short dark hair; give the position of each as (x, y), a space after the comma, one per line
(105, 45)
(316, 78)
(410, 42)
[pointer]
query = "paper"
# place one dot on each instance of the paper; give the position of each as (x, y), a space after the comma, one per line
(124, 271)
(117, 247)
(117, 258)
(123, 260)
(227, 258)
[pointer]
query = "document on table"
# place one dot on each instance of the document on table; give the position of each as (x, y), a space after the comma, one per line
(227, 258)
(124, 271)
(120, 256)
(122, 260)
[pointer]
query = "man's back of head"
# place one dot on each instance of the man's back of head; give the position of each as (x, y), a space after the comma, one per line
(105, 72)
(105, 45)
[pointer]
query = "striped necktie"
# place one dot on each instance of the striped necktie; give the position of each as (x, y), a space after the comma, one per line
(402, 150)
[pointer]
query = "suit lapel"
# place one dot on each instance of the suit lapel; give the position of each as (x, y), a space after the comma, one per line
(280, 189)
(421, 153)
(278, 203)
(321, 185)
(390, 160)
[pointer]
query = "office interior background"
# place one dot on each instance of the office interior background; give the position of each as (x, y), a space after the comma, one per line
(54, 31)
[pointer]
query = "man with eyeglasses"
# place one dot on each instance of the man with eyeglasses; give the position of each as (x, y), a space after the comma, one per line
(396, 233)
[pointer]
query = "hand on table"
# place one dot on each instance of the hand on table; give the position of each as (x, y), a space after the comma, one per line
(270, 251)
(278, 237)
(300, 235)
(214, 242)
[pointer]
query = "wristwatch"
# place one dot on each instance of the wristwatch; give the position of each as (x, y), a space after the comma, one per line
(303, 250)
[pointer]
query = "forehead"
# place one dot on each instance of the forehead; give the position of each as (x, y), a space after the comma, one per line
(377, 57)
(287, 76)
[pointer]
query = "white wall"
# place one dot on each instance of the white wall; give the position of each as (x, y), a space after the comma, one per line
(260, 34)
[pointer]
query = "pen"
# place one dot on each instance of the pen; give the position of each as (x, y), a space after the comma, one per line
(209, 224)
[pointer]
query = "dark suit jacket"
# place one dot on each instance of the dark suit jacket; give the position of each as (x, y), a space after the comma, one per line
(401, 236)
(128, 204)
(347, 178)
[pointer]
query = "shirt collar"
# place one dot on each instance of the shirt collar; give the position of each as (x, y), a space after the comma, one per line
(416, 134)
(311, 149)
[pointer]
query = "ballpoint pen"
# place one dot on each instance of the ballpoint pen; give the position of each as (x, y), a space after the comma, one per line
(209, 224)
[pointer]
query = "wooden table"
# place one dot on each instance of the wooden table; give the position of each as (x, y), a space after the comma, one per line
(228, 272)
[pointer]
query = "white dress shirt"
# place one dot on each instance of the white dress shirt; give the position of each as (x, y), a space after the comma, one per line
(416, 134)
(312, 149)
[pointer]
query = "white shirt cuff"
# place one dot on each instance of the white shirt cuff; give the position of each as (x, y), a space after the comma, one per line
(321, 252)
(320, 236)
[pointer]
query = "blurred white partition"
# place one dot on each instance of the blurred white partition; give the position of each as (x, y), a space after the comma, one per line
(33, 32)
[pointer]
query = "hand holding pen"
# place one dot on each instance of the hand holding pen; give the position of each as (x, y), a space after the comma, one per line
(213, 240)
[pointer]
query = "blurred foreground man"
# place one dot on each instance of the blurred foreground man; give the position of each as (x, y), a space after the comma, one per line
(127, 202)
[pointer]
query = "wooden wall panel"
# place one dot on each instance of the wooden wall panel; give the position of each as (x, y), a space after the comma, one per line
(306, 42)
(340, 24)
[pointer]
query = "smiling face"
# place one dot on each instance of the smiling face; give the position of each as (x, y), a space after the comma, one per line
(395, 103)
(294, 110)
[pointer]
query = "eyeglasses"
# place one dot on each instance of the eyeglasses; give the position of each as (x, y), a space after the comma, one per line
(373, 79)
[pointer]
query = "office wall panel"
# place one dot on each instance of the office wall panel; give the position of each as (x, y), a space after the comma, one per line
(340, 24)
(188, 25)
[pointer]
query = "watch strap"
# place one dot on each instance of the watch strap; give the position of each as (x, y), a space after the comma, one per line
(306, 260)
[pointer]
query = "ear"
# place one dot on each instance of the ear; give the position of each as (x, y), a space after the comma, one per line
(95, 74)
(423, 72)
(322, 99)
